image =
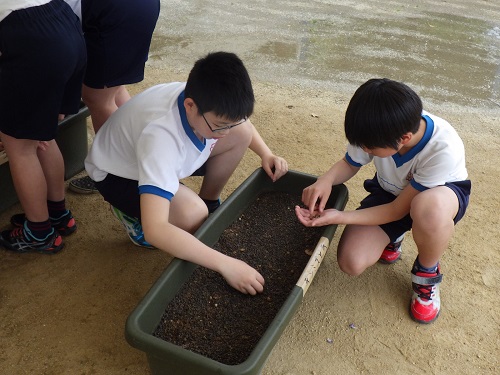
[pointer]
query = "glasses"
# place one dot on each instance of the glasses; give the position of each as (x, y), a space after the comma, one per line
(222, 128)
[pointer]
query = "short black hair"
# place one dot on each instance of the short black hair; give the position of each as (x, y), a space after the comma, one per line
(219, 82)
(380, 112)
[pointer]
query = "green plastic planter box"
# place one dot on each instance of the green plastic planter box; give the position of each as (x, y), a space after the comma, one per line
(71, 139)
(73, 142)
(167, 358)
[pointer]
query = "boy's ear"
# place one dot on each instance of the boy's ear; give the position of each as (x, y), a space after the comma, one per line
(406, 138)
(190, 105)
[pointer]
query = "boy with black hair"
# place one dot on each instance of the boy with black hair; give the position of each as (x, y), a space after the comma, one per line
(172, 131)
(420, 185)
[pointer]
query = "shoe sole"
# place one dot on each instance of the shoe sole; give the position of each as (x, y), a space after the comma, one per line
(80, 190)
(6, 245)
(150, 247)
(50, 252)
(383, 261)
(83, 185)
(67, 231)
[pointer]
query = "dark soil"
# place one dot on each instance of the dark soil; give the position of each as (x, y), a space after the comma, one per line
(209, 317)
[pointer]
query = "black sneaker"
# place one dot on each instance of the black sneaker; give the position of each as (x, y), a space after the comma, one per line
(83, 185)
(21, 242)
(65, 224)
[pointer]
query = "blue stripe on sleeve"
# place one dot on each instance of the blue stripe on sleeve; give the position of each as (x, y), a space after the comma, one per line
(352, 162)
(417, 186)
(150, 189)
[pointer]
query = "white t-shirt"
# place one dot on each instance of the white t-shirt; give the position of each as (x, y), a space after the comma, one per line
(8, 6)
(148, 139)
(76, 5)
(439, 157)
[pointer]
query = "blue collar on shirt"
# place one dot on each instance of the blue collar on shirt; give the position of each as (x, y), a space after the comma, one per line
(399, 160)
(185, 124)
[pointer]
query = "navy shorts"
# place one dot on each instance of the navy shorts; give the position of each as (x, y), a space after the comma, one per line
(395, 229)
(42, 64)
(118, 36)
(123, 193)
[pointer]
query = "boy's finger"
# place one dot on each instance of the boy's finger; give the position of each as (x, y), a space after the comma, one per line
(303, 216)
(258, 287)
(322, 205)
(313, 204)
(261, 280)
(299, 211)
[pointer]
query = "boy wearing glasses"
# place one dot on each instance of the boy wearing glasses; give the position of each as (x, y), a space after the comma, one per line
(172, 131)
(420, 185)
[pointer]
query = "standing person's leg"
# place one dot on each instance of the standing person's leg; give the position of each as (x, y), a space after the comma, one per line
(118, 35)
(26, 71)
(27, 172)
(103, 102)
(52, 163)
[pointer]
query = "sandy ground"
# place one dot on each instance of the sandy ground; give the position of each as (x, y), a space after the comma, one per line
(65, 314)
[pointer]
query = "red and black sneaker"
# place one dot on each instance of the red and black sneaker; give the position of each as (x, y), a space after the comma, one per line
(20, 241)
(392, 252)
(65, 224)
(425, 302)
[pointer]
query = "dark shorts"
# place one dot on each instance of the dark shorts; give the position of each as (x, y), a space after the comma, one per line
(118, 35)
(379, 196)
(123, 193)
(41, 69)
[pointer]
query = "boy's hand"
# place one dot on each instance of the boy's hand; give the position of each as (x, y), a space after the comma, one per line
(319, 190)
(317, 219)
(242, 277)
(277, 163)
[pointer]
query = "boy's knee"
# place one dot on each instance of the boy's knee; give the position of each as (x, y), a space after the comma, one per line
(197, 213)
(190, 216)
(430, 210)
(350, 267)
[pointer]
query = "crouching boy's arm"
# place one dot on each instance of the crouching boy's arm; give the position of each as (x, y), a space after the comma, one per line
(269, 160)
(159, 223)
(316, 195)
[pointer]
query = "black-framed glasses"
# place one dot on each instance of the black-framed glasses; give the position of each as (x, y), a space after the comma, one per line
(219, 129)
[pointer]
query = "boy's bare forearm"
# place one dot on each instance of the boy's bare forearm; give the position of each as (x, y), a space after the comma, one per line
(340, 172)
(377, 215)
(257, 145)
(183, 245)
